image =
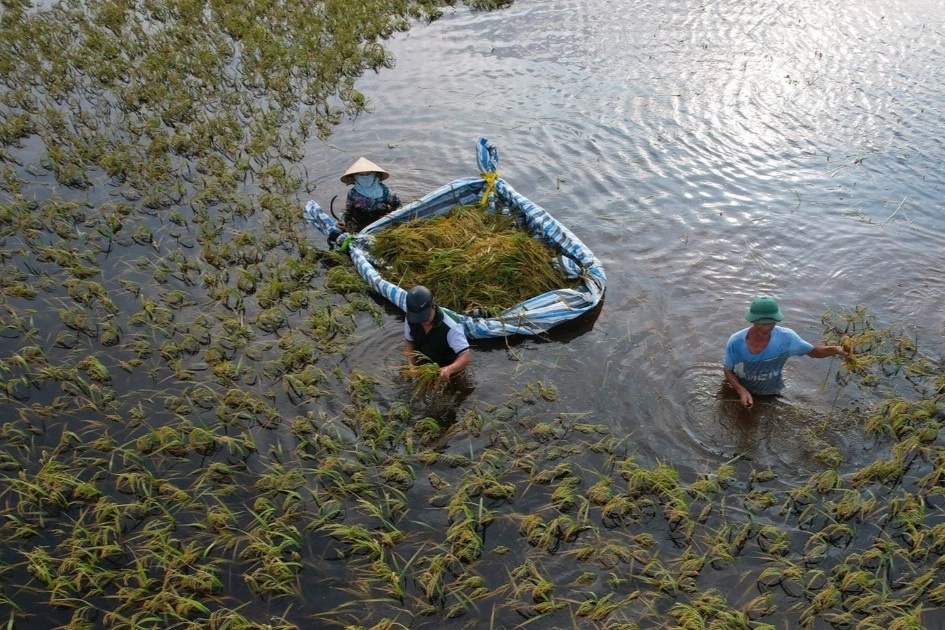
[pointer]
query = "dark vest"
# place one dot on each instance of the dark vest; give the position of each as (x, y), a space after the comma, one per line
(433, 345)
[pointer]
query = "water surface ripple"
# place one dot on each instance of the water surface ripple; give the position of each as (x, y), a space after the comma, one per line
(707, 152)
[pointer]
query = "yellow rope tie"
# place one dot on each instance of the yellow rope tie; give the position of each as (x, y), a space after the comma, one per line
(490, 185)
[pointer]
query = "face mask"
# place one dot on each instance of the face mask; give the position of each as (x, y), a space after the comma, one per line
(368, 185)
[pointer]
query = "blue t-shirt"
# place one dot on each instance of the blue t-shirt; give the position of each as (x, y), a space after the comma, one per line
(761, 373)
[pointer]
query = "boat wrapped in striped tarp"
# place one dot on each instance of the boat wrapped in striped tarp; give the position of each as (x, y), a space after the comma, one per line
(531, 317)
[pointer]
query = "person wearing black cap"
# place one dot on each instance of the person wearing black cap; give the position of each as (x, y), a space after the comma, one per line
(432, 336)
(755, 356)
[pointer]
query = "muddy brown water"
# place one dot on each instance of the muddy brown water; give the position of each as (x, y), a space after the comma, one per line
(706, 152)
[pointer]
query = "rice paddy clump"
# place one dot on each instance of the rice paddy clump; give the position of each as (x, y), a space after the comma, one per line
(426, 377)
(472, 260)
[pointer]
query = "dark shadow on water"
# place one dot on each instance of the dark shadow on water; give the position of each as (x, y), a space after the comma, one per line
(563, 333)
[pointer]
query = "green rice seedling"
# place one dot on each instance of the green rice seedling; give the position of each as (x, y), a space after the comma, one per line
(601, 492)
(936, 594)
(826, 598)
(563, 497)
(856, 581)
(545, 476)
(560, 529)
(598, 608)
(361, 386)
(427, 430)
(464, 540)
(485, 483)
(345, 280)
(398, 473)
(434, 574)
(721, 552)
(773, 541)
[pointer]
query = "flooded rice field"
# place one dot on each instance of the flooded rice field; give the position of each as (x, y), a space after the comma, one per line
(204, 421)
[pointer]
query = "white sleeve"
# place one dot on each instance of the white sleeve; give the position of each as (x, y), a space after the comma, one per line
(457, 339)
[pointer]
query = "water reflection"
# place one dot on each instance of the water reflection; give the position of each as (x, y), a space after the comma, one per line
(788, 433)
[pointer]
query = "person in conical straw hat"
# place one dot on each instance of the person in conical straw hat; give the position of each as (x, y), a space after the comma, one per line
(369, 199)
(755, 356)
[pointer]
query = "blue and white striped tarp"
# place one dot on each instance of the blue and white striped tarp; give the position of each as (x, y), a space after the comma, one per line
(531, 317)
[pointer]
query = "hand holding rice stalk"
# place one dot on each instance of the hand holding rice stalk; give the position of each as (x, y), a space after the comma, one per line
(427, 376)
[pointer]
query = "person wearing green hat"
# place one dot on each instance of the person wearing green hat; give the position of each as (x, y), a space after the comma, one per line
(755, 356)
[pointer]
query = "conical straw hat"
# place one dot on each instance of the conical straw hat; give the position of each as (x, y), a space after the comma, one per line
(363, 165)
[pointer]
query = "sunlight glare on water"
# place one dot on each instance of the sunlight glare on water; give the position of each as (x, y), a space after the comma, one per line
(706, 152)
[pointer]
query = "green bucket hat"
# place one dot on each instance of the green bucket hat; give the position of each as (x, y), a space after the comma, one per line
(764, 310)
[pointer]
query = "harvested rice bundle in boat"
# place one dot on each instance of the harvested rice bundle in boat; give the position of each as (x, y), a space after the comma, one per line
(470, 258)
(486, 315)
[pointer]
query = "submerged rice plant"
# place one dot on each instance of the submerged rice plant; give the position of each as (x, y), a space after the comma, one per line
(184, 443)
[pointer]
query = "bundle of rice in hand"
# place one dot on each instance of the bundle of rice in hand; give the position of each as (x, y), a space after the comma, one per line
(426, 377)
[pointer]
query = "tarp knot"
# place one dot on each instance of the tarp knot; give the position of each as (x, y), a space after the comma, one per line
(490, 185)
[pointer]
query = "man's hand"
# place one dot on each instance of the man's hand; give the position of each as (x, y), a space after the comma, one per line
(746, 399)
(822, 352)
(744, 396)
